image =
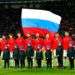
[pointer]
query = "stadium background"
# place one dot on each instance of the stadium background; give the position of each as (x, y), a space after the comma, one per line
(10, 22)
(10, 13)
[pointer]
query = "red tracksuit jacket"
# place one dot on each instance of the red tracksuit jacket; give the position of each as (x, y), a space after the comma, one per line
(55, 42)
(66, 40)
(11, 43)
(47, 43)
(20, 42)
(3, 44)
(0, 46)
(39, 42)
(29, 41)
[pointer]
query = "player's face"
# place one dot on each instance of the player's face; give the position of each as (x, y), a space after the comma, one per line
(56, 35)
(37, 35)
(10, 36)
(19, 35)
(3, 37)
(28, 35)
(47, 36)
(66, 34)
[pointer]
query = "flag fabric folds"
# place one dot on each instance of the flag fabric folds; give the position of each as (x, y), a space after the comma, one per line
(41, 21)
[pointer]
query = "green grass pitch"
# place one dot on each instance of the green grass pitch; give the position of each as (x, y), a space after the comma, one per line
(34, 71)
(38, 71)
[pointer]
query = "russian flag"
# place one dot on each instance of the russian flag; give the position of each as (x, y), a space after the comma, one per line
(39, 21)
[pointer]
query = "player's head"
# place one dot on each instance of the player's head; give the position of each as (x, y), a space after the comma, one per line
(28, 35)
(37, 35)
(10, 35)
(66, 33)
(47, 36)
(56, 35)
(3, 37)
(19, 34)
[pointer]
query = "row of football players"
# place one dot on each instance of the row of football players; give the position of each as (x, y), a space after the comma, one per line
(26, 47)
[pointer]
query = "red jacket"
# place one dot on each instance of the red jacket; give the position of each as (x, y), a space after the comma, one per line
(38, 42)
(66, 41)
(0, 45)
(55, 42)
(29, 41)
(20, 42)
(3, 44)
(11, 43)
(47, 43)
